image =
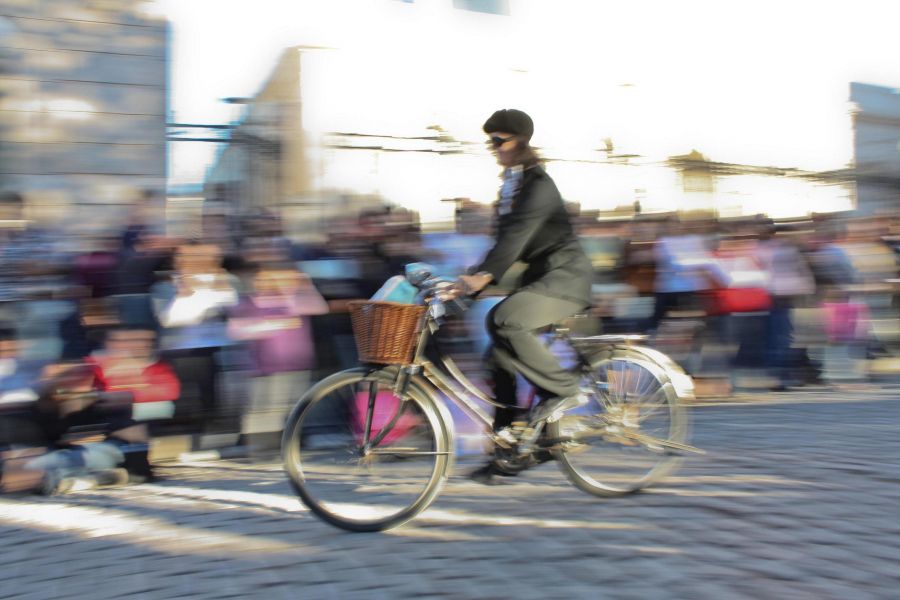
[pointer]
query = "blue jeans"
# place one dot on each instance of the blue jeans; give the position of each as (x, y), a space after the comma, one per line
(78, 461)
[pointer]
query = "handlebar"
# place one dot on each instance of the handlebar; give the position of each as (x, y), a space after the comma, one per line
(440, 291)
(435, 291)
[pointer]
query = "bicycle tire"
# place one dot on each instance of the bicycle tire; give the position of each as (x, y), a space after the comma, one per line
(600, 475)
(298, 449)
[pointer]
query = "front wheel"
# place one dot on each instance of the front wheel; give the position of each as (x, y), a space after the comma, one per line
(626, 437)
(361, 458)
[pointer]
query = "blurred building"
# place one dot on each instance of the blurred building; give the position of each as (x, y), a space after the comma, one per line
(735, 190)
(82, 107)
(876, 124)
(263, 163)
(399, 118)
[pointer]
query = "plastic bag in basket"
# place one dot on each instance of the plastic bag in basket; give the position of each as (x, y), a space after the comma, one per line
(396, 289)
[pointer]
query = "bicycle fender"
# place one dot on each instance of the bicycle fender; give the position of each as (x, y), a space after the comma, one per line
(656, 362)
(681, 381)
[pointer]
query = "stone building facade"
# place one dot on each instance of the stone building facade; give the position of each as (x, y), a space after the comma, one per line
(83, 99)
(876, 128)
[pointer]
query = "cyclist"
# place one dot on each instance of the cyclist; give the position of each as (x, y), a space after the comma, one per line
(533, 226)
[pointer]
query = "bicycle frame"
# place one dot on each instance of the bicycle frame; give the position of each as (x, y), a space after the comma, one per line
(460, 390)
(452, 382)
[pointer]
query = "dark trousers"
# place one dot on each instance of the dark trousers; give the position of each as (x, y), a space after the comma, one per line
(198, 405)
(518, 350)
(21, 427)
(666, 301)
(779, 336)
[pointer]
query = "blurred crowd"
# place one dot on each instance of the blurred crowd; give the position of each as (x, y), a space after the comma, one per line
(107, 341)
(795, 303)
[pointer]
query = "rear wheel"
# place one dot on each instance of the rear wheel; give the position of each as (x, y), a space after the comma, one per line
(625, 438)
(356, 481)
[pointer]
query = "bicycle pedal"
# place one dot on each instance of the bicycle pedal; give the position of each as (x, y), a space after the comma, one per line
(528, 439)
(507, 435)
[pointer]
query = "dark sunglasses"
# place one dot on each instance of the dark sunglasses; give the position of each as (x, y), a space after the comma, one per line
(497, 141)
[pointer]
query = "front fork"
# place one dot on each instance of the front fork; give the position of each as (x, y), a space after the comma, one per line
(400, 387)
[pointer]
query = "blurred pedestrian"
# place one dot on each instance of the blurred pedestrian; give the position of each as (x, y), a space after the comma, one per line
(18, 396)
(87, 434)
(192, 308)
(274, 320)
(742, 301)
(141, 260)
(684, 268)
(128, 363)
(790, 279)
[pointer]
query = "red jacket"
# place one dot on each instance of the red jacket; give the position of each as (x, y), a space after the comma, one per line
(156, 383)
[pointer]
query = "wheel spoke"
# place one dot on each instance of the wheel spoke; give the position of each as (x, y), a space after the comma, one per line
(637, 386)
(648, 409)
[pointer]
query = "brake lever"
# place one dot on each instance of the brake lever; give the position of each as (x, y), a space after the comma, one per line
(451, 293)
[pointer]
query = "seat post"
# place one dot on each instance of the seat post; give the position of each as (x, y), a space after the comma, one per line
(561, 329)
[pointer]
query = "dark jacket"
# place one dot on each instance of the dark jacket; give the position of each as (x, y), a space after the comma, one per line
(537, 231)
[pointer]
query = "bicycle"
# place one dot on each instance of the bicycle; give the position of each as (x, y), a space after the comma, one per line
(367, 449)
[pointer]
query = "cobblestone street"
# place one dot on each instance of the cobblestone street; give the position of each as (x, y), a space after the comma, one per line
(797, 499)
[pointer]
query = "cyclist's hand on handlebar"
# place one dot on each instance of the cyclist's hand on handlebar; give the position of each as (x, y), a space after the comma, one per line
(453, 293)
(472, 284)
(449, 291)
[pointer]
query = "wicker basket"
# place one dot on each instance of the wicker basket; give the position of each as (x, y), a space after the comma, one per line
(385, 332)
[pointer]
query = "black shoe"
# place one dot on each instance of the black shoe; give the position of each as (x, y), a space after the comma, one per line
(486, 475)
(542, 456)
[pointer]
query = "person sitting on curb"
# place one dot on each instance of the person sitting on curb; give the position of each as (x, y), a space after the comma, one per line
(129, 363)
(88, 433)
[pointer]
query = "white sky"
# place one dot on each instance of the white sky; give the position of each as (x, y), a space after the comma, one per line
(763, 82)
